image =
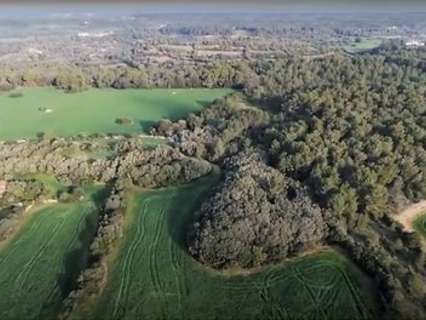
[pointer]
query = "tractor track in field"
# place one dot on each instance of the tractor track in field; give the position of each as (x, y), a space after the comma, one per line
(279, 311)
(299, 276)
(272, 278)
(359, 303)
(50, 297)
(329, 297)
(28, 267)
(127, 261)
(15, 245)
(153, 263)
(158, 286)
(179, 275)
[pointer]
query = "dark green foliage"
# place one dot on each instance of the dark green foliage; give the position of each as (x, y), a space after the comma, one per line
(353, 129)
(257, 216)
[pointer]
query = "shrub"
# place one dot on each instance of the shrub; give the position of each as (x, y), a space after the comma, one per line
(124, 121)
(16, 95)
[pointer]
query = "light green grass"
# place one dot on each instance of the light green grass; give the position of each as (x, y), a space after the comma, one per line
(153, 277)
(38, 266)
(420, 224)
(52, 185)
(96, 110)
(365, 44)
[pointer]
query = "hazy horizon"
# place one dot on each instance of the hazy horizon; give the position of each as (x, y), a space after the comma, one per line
(304, 6)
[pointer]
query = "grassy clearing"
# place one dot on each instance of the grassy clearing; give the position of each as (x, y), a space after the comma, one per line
(95, 111)
(152, 277)
(39, 265)
(419, 224)
(365, 44)
(52, 185)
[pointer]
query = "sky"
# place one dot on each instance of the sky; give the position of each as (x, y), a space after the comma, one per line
(233, 5)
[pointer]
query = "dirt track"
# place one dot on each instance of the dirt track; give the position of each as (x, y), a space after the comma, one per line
(408, 215)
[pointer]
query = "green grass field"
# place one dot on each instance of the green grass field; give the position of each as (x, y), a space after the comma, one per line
(420, 224)
(365, 44)
(95, 110)
(41, 262)
(152, 277)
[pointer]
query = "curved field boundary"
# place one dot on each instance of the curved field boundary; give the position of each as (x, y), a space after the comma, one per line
(154, 278)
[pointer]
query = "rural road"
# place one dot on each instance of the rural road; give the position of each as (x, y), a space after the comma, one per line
(408, 215)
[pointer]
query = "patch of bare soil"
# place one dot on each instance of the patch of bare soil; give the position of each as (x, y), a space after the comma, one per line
(409, 214)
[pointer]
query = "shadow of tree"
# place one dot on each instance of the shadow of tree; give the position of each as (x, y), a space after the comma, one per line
(79, 257)
(145, 125)
(76, 259)
(204, 103)
(179, 222)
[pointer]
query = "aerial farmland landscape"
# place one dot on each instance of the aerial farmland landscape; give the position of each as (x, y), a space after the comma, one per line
(212, 160)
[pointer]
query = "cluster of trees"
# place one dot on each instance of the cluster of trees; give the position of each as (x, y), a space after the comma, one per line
(130, 160)
(257, 216)
(176, 75)
(217, 132)
(18, 194)
(258, 77)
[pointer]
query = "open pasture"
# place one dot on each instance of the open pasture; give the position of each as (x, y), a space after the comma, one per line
(364, 44)
(55, 113)
(39, 265)
(153, 277)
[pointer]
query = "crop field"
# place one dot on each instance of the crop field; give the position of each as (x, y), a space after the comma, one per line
(152, 276)
(56, 113)
(40, 263)
(420, 224)
(364, 45)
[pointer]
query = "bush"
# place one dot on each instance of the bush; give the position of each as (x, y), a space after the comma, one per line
(16, 95)
(124, 121)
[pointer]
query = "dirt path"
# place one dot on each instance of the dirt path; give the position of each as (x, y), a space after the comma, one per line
(408, 215)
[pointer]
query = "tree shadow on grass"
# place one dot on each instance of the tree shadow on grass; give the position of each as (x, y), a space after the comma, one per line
(98, 197)
(76, 259)
(180, 220)
(204, 103)
(146, 125)
(79, 257)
